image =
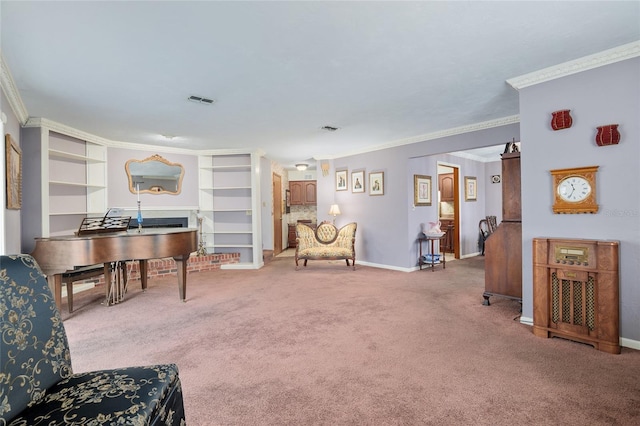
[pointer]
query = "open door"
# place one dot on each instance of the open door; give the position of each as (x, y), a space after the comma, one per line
(277, 214)
(449, 204)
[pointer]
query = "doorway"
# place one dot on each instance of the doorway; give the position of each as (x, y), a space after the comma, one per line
(277, 214)
(449, 205)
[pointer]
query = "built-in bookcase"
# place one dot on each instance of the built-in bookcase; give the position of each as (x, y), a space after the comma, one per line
(228, 198)
(66, 179)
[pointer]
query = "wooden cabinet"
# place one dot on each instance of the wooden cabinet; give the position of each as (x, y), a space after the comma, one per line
(291, 239)
(446, 187)
(303, 192)
(65, 177)
(503, 248)
(228, 200)
(576, 291)
(447, 241)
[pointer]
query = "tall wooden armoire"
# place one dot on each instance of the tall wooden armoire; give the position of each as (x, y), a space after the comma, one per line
(503, 248)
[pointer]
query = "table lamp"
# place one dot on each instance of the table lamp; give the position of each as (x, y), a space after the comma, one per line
(334, 211)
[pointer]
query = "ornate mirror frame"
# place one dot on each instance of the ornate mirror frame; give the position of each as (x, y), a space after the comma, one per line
(154, 175)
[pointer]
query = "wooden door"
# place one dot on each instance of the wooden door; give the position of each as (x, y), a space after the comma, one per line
(277, 214)
(297, 193)
(310, 192)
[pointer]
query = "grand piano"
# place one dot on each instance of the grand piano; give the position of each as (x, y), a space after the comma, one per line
(56, 255)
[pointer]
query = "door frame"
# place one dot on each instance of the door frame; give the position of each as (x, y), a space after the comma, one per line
(456, 204)
(276, 181)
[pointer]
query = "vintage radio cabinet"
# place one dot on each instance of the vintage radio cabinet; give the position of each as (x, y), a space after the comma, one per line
(576, 291)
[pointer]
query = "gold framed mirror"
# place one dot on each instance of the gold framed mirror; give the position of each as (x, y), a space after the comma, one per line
(154, 175)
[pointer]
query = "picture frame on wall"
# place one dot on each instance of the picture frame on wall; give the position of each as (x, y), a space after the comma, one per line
(376, 183)
(421, 190)
(341, 180)
(470, 188)
(13, 160)
(357, 181)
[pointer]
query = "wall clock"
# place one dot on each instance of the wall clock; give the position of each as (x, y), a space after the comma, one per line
(574, 190)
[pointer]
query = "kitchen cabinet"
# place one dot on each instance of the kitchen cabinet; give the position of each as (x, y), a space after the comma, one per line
(446, 187)
(303, 192)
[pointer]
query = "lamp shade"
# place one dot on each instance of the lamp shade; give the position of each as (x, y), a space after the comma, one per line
(334, 210)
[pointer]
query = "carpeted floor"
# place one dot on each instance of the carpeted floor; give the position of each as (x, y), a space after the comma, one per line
(329, 346)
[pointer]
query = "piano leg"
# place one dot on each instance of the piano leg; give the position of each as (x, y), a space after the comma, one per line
(143, 273)
(57, 289)
(181, 266)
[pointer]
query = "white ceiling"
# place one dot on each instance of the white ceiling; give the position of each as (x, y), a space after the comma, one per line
(382, 72)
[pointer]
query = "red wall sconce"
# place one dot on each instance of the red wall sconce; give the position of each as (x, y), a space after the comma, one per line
(561, 119)
(608, 135)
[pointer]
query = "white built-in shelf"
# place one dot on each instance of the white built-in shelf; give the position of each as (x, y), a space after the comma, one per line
(84, 185)
(54, 153)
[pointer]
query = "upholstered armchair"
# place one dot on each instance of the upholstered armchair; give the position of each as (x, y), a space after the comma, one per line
(37, 385)
(326, 243)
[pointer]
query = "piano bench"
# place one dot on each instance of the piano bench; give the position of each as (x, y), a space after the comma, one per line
(79, 274)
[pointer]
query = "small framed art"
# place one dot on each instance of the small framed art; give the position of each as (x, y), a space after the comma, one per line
(421, 190)
(341, 180)
(14, 173)
(357, 181)
(470, 188)
(376, 183)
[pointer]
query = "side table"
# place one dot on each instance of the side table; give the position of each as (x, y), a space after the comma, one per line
(432, 239)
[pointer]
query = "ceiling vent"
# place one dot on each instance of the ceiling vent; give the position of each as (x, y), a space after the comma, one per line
(329, 128)
(201, 100)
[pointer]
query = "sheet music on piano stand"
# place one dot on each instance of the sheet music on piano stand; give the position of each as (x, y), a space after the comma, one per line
(100, 225)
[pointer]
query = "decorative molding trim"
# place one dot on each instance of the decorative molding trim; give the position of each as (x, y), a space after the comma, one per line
(11, 92)
(617, 54)
(499, 122)
(629, 343)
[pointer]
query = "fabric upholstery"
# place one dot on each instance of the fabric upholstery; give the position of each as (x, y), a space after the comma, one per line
(37, 386)
(311, 244)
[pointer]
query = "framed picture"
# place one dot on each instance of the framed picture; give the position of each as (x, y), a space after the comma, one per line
(357, 181)
(376, 183)
(14, 173)
(470, 188)
(341, 180)
(421, 190)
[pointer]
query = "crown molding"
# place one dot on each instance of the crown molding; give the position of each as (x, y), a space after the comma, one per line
(499, 122)
(606, 57)
(10, 90)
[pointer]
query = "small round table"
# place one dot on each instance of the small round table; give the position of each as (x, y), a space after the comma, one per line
(431, 239)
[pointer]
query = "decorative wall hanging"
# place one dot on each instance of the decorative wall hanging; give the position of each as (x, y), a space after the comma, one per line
(470, 188)
(376, 183)
(341, 180)
(561, 119)
(357, 181)
(14, 173)
(421, 190)
(608, 135)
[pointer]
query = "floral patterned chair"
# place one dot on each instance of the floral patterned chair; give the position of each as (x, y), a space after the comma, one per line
(326, 243)
(37, 385)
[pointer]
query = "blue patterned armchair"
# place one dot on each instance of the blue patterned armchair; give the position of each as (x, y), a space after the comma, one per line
(37, 385)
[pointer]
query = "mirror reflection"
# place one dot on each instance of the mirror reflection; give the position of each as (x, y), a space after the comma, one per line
(154, 175)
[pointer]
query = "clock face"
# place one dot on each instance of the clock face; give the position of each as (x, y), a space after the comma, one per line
(574, 189)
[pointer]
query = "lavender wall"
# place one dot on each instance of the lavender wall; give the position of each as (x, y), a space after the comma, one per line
(605, 95)
(388, 225)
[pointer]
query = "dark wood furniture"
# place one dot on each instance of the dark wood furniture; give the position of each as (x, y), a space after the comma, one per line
(576, 291)
(448, 243)
(503, 248)
(303, 192)
(56, 255)
(430, 262)
(446, 186)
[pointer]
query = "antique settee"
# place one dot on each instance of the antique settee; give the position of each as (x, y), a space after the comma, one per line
(326, 243)
(37, 385)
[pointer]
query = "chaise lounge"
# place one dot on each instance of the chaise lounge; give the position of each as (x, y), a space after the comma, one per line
(326, 243)
(37, 385)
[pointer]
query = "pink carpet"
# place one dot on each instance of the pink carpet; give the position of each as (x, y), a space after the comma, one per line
(329, 346)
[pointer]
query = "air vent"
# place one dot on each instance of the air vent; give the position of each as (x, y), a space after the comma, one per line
(201, 100)
(329, 128)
